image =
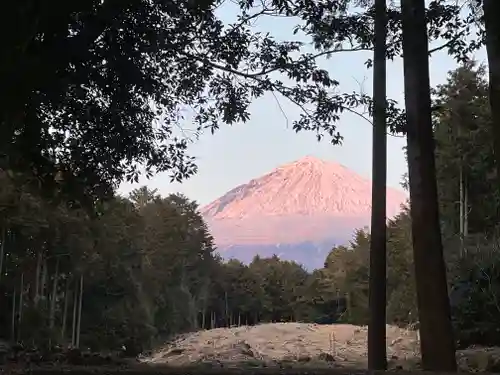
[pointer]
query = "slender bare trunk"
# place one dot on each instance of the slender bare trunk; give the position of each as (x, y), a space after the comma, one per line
(65, 311)
(377, 346)
(464, 212)
(461, 211)
(80, 302)
(437, 343)
(204, 296)
(75, 310)
(226, 308)
(2, 251)
(463, 200)
(36, 297)
(52, 313)
(13, 318)
(20, 308)
(466, 208)
(43, 284)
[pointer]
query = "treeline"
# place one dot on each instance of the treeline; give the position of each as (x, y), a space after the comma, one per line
(132, 271)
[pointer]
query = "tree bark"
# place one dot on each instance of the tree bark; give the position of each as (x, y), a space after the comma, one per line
(226, 309)
(36, 297)
(52, 312)
(437, 344)
(20, 308)
(491, 10)
(65, 311)
(13, 318)
(43, 284)
(464, 210)
(79, 324)
(2, 250)
(466, 207)
(377, 346)
(75, 309)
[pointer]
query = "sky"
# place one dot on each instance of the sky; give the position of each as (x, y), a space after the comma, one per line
(236, 154)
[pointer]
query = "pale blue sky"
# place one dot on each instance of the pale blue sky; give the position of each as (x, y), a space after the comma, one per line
(234, 155)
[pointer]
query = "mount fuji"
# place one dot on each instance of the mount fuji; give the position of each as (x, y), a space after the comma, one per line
(298, 211)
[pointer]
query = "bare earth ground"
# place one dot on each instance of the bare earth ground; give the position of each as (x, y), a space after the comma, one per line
(291, 345)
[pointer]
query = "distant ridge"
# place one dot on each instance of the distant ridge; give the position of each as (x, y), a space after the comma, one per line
(307, 201)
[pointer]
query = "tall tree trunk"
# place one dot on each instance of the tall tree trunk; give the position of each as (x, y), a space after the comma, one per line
(461, 209)
(36, 297)
(437, 344)
(80, 302)
(75, 311)
(226, 309)
(466, 208)
(43, 284)
(377, 345)
(13, 318)
(464, 211)
(204, 293)
(2, 251)
(491, 10)
(65, 311)
(52, 312)
(20, 308)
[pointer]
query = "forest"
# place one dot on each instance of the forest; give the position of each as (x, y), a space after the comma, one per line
(99, 92)
(143, 268)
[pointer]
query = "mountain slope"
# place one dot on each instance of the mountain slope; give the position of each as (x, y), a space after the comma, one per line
(308, 201)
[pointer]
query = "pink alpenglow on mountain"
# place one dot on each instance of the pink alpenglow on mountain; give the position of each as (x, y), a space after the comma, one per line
(309, 203)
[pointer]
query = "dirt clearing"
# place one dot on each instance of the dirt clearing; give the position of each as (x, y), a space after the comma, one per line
(288, 345)
(284, 344)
